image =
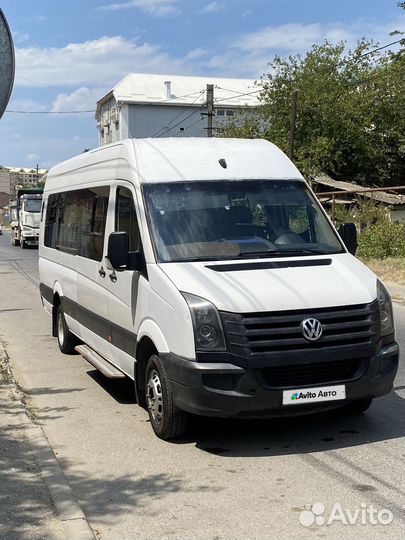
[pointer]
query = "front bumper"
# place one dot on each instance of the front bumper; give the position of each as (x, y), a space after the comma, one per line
(30, 239)
(199, 387)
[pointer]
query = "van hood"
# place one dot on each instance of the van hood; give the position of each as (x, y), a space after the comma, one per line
(277, 284)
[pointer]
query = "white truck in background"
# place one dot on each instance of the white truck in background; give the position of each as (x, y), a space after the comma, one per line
(25, 214)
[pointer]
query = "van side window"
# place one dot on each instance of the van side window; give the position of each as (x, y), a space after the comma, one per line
(75, 221)
(125, 218)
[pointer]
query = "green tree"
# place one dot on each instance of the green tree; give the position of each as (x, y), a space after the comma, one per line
(350, 112)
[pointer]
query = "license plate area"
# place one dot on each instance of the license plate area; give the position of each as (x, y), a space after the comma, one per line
(301, 396)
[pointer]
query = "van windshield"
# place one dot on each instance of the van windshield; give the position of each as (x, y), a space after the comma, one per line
(217, 220)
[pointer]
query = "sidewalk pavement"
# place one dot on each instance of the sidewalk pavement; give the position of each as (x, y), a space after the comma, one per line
(26, 510)
(36, 501)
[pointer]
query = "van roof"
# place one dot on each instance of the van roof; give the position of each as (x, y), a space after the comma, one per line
(174, 159)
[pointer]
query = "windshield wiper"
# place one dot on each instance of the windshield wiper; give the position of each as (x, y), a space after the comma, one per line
(277, 252)
(198, 259)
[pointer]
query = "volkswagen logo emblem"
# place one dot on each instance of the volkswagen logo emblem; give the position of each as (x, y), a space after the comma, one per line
(311, 329)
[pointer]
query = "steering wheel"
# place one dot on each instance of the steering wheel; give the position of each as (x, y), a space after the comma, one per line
(290, 238)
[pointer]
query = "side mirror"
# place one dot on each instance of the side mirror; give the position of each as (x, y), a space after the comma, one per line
(136, 261)
(118, 248)
(348, 234)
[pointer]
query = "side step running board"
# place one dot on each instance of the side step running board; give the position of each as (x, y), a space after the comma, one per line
(99, 362)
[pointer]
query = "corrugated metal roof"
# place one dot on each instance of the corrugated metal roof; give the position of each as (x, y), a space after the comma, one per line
(387, 198)
(183, 90)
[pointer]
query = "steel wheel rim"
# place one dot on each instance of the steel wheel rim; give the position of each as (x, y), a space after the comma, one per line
(61, 330)
(154, 396)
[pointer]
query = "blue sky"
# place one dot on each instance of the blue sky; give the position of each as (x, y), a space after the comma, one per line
(71, 53)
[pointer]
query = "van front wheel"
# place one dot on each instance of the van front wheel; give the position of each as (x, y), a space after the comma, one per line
(168, 422)
(66, 340)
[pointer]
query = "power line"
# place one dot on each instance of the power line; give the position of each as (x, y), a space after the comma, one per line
(193, 124)
(378, 49)
(51, 112)
(94, 110)
(230, 90)
(165, 129)
(237, 96)
(183, 120)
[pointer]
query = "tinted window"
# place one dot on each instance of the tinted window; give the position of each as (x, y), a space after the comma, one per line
(75, 221)
(126, 218)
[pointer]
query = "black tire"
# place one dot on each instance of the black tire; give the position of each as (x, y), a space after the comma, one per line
(168, 421)
(66, 340)
(23, 244)
(359, 406)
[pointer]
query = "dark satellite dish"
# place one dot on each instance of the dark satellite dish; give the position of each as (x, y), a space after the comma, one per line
(7, 63)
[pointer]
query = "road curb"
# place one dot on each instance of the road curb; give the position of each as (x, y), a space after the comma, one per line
(73, 520)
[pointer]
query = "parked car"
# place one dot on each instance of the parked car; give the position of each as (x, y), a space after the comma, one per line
(207, 271)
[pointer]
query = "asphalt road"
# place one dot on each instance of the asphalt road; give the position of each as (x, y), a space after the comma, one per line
(226, 479)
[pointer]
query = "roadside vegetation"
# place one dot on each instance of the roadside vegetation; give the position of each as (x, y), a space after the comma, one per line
(349, 114)
(349, 124)
(381, 240)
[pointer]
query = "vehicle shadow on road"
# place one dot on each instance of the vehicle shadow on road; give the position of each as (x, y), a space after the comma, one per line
(122, 390)
(384, 420)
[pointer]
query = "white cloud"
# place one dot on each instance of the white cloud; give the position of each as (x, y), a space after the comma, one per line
(212, 7)
(26, 105)
(82, 99)
(249, 54)
(35, 18)
(92, 63)
(298, 37)
(158, 8)
(291, 37)
(32, 157)
(196, 53)
(20, 37)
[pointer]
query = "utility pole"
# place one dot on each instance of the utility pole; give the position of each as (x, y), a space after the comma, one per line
(37, 173)
(293, 120)
(210, 109)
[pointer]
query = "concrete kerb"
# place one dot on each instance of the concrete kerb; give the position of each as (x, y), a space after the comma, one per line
(71, 515)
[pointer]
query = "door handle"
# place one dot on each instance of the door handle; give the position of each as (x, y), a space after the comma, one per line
(113, 277)
(102, 272)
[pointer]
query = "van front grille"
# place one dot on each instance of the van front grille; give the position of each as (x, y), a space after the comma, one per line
(270, 334)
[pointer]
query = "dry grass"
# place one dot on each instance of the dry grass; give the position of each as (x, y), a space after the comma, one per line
(390, 269)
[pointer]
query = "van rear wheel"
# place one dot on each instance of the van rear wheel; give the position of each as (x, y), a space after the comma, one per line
(66, 340)
(168, 421)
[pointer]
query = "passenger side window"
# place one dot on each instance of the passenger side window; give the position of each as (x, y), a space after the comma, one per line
(75, 221)
(125, 218)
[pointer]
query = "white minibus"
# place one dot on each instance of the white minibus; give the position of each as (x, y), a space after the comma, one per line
(207, 271)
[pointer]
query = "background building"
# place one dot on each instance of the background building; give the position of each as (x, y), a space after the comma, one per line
(21, 176)
(4, 180)
(143, 105)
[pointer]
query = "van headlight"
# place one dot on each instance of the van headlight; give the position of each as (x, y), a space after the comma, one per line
(208, 332)
(385, 304)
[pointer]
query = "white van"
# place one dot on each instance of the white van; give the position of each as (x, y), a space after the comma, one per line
(206, 271)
